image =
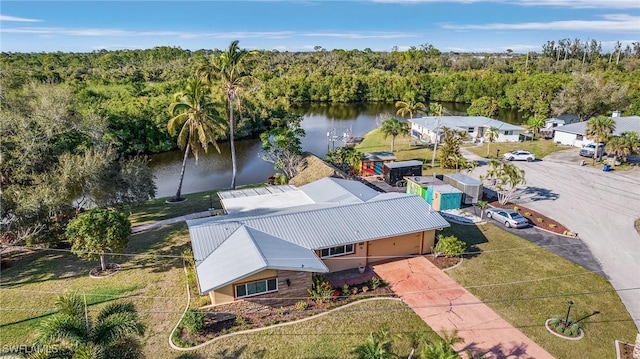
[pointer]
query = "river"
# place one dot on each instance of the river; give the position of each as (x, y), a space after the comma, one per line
(213, 170)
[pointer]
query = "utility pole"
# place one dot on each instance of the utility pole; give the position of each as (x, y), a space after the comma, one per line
(435, 146)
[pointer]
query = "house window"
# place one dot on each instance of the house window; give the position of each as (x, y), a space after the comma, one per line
(508, 133)
(257, 287)
(579, 137)
(470, 129)
(336, 251)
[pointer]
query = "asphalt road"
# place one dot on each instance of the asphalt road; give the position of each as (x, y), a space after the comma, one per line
(600, 206)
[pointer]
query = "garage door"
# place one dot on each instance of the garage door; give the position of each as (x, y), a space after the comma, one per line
(394, 247)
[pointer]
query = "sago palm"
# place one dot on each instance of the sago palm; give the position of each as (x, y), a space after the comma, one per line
(111, 334)
(394, 128)
(195, 120)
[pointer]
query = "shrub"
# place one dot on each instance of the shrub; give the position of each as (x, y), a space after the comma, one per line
(279, 311)
(240, 321)
(301, 305)
(540, 220)
(365, 289)
(345, 290)
(552, 225)
(449, 246)
(375, 283)
(202, 301)
(194, 321)
(320, 290)
(528, 214)
(516, 208)
(354, 290)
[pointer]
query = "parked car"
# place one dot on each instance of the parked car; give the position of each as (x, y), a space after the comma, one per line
(519, 155)
(590, 149)
(508, 217)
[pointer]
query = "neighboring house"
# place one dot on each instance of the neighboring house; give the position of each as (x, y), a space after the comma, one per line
(575, 133)
(274, 238)
(425, 128)
(372, 162)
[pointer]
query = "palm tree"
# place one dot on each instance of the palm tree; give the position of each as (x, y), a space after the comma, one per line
(535, 124)
(409, 108)
(378, 346)
(491, 135)
(229, 66)
(624, 145)
(392, 127)
(442, 348)
(599, 129)
(114, 330)
(194, 116)
(505, 178)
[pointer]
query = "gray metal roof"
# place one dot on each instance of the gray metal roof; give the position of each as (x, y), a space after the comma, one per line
(379, 156)
(336, 190)
(425, 181)
(445, 188)
(248, 251)
(623, 124)
(403, 164)
(464, 122)
(463, 179)
(316, 228)
(256, 191)
(265, 198)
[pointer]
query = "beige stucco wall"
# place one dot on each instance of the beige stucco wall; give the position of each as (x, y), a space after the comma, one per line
(428, 241)
(226, 294)
(398, 246)
(354, 260)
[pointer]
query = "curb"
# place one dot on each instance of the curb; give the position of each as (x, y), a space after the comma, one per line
(184, 266)
(272, 326)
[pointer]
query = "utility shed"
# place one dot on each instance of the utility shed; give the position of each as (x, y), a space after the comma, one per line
(444, 197)
(419, 185)
(471, 188)
(372, 162)
(395, 172)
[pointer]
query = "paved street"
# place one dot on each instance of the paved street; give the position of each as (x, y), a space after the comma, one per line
(600, 206)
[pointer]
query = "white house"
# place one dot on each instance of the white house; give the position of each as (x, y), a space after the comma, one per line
(575, 133)
(425, 128)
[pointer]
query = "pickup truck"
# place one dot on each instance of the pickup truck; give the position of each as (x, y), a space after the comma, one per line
(590, 149)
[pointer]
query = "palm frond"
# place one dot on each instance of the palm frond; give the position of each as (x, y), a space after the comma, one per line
(116, 327)
(62, 328)
(116, 308)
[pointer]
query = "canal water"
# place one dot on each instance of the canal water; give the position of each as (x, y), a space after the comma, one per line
(213, 170)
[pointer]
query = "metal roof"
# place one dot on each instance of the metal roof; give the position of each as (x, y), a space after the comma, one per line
(336, 190)
(403, 164)
(425, 181)
(623, 124)
(255, 251)
(378, 156)
(263, 198)
(445, 188)
(463, 179)
(464, 122)
(316, 228)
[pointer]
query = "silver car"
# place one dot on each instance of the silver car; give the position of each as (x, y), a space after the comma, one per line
(509, 217)
(519, 155)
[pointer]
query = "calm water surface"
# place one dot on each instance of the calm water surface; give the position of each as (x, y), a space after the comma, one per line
(213, 170)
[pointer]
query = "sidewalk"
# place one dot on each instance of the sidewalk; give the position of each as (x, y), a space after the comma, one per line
(164, 222)
(446, 306)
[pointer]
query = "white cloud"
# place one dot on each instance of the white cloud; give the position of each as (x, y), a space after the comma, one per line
(593, 4)
(98, 32)
(7, 18)
(610, 23)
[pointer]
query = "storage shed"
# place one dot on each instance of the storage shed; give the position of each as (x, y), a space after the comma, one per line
(418, 185)
(394, 172)
(445, 197)
(470, 187)
(372, 162)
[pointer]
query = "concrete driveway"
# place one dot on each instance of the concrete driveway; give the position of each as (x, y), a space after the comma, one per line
(600, 206)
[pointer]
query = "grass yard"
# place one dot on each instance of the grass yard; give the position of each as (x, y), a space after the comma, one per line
(33, 280)
(540, 148)
(405, 149)
(526, 300)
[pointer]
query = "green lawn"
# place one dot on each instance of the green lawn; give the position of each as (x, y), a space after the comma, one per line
(505, 258)
(156, 286)
(405, 149)
(540, 148)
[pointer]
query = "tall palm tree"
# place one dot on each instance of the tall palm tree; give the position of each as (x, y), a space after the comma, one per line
(229, 67)
(409, 108)
(599, 129)
(491, 135)
(195, 118)
(114, 330)
(623, 146)
(394, 128)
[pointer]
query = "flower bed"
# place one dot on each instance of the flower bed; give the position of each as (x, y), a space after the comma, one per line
(536, 219)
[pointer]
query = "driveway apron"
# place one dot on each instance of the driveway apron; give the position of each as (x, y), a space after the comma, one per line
(446, 306)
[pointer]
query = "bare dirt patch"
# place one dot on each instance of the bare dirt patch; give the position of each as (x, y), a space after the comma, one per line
(443, 262)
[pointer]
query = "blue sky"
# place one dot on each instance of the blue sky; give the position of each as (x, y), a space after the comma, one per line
(455, 25)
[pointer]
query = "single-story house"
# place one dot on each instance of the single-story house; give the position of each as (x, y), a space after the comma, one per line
(274, 238)
(575, 134)
(372, 162)
(425, 128)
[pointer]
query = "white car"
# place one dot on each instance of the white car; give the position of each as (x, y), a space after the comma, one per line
(519, 155)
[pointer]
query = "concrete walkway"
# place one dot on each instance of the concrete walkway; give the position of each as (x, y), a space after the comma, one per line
(445, 306)
(165, 222)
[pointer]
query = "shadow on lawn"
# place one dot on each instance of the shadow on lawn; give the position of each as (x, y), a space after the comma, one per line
(470, 234)
(42, 266)
(232, 354)
(499, 351)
